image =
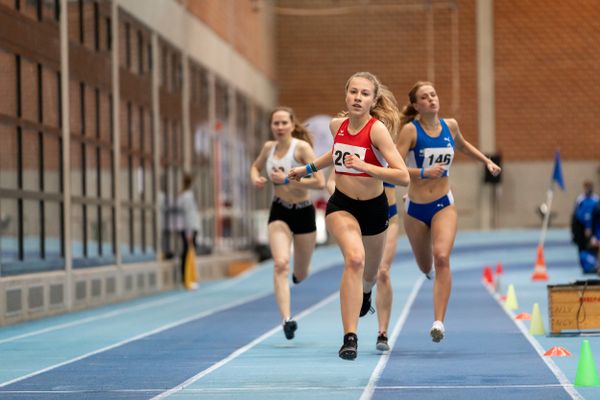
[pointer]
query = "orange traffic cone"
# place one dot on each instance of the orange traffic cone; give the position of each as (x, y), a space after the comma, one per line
(539, 270)
(499, 269)
(498, 276)
(488, 275)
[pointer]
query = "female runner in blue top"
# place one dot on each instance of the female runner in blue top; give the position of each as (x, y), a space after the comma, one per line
(427, 143)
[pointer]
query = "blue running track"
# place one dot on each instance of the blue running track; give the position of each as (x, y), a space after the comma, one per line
(224, 341)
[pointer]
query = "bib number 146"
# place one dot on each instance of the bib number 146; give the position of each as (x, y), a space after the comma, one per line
(443, 159)
(438, 155)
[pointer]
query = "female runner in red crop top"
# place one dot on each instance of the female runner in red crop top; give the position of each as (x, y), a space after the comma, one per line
(364, 156)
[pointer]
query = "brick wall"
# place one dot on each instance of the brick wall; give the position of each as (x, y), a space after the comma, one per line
(246, 24)
(547, 79)
(547, 64)
(317, 53)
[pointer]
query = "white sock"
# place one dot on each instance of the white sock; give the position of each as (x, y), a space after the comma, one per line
(368, 286)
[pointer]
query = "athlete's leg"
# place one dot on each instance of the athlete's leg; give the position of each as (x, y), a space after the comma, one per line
(304, 246)
(384, 285)
(418, 234)
(373, 245)
(280, 240)
(345, 230)
(443, 233)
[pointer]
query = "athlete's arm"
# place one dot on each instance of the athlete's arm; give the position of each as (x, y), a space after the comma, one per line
(467, 148)
(258, 164)
(330, 185)
(305, 154)
(323, 161)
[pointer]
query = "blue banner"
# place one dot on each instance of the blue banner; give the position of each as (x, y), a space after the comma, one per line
(557, 175)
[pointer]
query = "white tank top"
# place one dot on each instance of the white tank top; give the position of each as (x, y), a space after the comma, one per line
(285, 163)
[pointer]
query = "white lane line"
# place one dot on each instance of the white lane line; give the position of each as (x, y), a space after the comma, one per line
(383, 360)
(564, 381)
(176, 297)
(532, 386)
(109, 314)
(243, 349)
(286, 389)
(140, 336)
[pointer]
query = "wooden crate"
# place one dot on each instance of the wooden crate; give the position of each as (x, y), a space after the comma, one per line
(574, 307)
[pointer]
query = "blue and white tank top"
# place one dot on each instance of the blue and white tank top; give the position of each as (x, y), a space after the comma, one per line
(429, 151)
(285, 163)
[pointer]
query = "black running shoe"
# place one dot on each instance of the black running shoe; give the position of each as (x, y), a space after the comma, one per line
(350, 347)
(289, 327)
(295, 280)
(382, 343)
(366, 305)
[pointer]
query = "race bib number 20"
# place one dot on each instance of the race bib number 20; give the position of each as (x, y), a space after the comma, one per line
(341, 150)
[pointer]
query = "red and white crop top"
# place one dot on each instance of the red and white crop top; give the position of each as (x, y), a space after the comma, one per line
(358, 144)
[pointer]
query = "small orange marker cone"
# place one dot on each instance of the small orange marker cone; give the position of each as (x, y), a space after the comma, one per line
(557, 351)
(539, 270)
(524, 316)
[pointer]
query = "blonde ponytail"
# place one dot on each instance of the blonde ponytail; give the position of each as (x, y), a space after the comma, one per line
(386, 110)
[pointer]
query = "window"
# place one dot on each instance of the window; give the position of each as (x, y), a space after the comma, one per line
(137, 151)
(137, 183)
(91, 152)
(203, 156)
(242, 186)
(92, 176)
(31, 202)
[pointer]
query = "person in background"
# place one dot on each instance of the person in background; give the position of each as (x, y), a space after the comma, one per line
(430, 219)
(595, 241)
(585, 228)
(188, 220)
(364, 156)
(292, 215)
(581, 220)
